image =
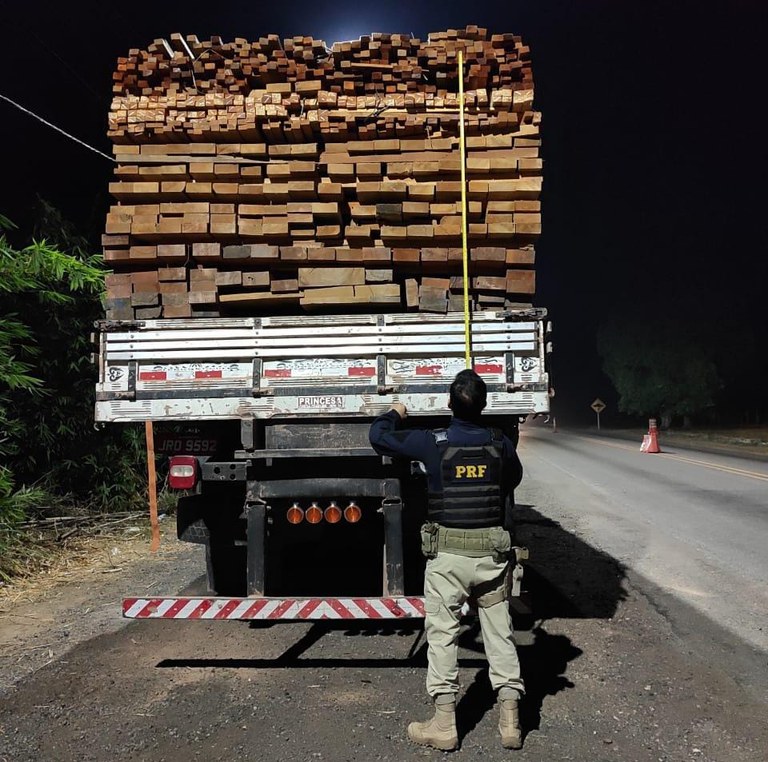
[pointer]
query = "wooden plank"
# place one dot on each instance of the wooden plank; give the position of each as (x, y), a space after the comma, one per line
(284, 285)
(120, 291)
(379, 276)
(521, 282)
(203, 297)
(412, 294)
(488, 254)
(177, 311)
(142, 252)
(406, 256)
(385, 293)
(489, 283)
(433, 299)
(259, 298)
(172, 287)
(176, 299)
(256, 280)
(332, 295)
(144, 280)
(434, 255)
(314, 277)
(321, 254)
(171, 273)
(209, 250)
(148, 313)
(118, 309)
(145, 299)
(229, 278)
(293, 253)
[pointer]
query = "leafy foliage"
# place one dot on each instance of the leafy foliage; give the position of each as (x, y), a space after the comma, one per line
(49, 297)
(659, 366)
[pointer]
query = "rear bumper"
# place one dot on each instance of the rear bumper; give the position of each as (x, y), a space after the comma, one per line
(282, 609)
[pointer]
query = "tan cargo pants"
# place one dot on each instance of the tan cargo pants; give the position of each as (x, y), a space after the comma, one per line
(450, 579)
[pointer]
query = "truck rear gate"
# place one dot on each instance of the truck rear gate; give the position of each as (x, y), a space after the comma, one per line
(322, 366)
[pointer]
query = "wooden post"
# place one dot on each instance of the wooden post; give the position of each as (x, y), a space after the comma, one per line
(152, 486)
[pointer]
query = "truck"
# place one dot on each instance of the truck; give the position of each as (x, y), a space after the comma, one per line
(265, 424)
(301, 237)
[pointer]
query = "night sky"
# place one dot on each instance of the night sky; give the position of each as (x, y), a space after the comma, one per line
(655, 141)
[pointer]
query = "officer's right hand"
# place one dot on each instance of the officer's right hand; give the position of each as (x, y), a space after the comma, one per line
(400, 409)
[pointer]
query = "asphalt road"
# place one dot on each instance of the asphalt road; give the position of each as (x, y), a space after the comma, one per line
(691, 527)
(643, 642)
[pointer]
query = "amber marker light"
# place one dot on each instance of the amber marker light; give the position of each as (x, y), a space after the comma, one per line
(352, 513)
(333, 513)
(314, 514)
(294, 514)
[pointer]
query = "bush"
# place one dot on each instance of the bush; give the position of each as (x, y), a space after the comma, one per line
(49, 449)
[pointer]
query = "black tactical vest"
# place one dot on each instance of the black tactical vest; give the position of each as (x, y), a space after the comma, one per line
(471, 475)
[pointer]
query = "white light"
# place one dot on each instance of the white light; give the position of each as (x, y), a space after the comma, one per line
(180, 472)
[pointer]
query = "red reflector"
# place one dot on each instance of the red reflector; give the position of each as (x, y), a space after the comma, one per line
(361, 372)
(277, 373)
(488, 368)
(314, 514)
(207, 374)
(295, 515)
(429, 370)
(153, 375)
(182, 472)
(333, 513)
(352, 513)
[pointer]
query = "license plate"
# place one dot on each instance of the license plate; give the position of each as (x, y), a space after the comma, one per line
(184, 445)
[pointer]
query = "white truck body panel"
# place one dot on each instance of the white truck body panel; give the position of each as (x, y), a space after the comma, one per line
(316, 366)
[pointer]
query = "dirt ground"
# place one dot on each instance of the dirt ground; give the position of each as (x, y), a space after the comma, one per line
(77, 597)
(609, 674)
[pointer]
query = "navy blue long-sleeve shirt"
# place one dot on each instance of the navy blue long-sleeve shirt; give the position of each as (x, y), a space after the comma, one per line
(420, 444)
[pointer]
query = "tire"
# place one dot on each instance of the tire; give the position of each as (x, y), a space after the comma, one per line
(190, 520)
(225, 561)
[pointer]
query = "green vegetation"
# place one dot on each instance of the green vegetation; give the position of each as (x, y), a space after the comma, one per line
(659, 366)
(50, 453)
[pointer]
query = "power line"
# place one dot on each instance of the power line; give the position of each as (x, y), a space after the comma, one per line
(58, 129)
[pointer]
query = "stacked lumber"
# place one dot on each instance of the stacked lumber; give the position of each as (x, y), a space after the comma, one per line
(269, 175)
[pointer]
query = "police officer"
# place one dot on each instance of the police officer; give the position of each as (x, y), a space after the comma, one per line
(471, 472)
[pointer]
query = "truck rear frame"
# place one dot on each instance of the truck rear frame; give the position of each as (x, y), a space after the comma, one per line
(296, 395)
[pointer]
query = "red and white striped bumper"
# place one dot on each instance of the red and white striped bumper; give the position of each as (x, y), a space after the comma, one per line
(284, 609)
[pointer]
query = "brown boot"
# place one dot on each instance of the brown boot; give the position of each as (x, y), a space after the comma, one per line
(440, 731)
(509, 720)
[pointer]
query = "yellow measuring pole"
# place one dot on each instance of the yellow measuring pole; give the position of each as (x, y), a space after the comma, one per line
(464, 229)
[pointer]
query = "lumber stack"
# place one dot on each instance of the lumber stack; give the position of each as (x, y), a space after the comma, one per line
(283, 176)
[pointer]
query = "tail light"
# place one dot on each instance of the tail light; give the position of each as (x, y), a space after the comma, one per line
(333, 513)
(294, 514)
(182, 472)
(314, 514)
(352, 513)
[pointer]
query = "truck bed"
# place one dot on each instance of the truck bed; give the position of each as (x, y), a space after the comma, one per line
(332, 366)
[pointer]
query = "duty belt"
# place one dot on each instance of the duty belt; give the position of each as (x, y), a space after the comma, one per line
(465, 542)
(470, 542)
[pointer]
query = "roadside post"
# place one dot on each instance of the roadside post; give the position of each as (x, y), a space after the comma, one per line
(152, 486)
(598, 406)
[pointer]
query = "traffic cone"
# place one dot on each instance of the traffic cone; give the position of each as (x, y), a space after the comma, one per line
(651, 439)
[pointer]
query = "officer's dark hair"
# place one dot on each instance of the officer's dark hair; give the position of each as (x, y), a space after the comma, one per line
(468, 395)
